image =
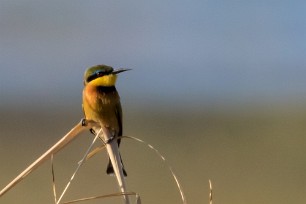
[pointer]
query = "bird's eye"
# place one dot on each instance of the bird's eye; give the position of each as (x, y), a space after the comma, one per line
(99, 73)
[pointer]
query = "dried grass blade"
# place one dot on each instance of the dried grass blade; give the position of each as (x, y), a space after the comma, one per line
(95, 151)
(210, 192)
(113, 153)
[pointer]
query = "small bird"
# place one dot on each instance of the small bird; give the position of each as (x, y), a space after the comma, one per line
(101, 102)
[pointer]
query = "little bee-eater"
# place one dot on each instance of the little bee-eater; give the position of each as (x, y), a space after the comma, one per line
(101, 101)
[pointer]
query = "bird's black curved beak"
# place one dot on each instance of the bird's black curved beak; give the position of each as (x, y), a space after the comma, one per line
(120, 70)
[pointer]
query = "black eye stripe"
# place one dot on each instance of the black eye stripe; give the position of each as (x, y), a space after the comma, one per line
(92, 77)
(97, 74)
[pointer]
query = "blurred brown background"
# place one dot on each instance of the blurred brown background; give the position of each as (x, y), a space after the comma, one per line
(219, 88)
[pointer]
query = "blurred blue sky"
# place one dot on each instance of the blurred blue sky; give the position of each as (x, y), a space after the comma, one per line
(217, 51)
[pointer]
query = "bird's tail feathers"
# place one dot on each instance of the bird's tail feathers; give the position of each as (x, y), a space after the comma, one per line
(110, 169)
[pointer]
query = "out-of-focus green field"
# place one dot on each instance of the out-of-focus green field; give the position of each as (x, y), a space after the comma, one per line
(252, 154)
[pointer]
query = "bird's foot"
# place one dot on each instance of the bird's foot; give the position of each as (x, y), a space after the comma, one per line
(108, 141)
(92, 131)
(84, 122)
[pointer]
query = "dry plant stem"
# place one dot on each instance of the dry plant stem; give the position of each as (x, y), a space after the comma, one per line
(54, 149)
(113, 153)
(210, 192)
(53, 180)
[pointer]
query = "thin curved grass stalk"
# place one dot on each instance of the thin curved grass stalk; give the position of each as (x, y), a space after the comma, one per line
(169, 167)
(70, 136)
(210, 192)
(106, 196)
(183, 197)
(78, 167)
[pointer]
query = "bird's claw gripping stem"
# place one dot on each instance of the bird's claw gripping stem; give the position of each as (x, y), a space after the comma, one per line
(108, 141)
(84, 122)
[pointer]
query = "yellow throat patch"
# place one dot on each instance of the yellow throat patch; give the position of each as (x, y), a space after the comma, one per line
(107, 80)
